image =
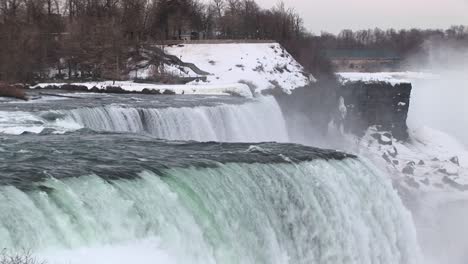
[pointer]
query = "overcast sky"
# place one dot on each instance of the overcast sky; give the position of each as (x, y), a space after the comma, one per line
(334, 15)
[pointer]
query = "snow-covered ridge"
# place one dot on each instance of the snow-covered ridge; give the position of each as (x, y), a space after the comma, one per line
(389, 77)
(264, 65)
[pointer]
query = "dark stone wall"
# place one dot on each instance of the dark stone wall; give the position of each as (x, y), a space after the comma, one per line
(376, 104)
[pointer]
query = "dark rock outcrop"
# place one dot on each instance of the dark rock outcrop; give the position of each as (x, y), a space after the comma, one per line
(409, 169)
(115, 90)
(73, 87)
(169, 92)
(377, 104)
(455, 161)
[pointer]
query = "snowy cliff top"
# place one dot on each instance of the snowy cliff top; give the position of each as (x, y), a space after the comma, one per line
(263, 65)
(389, 77)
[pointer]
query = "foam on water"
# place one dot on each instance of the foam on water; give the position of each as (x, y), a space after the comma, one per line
(18, 122)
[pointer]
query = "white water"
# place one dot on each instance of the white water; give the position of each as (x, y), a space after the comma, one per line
(318, 212)
(315, 212)
(251, 122)
(257, 121)
(19, 122)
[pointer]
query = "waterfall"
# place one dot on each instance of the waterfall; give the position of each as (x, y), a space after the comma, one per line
(257, 121)
(88, 197)
(319, 211)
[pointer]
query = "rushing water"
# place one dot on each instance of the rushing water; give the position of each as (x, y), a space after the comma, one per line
(254, 121)
(91, 195)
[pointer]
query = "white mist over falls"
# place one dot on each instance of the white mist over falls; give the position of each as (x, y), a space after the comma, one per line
(439, 112)
(99, 182)
(440, 102)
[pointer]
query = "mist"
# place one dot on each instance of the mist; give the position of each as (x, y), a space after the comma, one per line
(440, 103)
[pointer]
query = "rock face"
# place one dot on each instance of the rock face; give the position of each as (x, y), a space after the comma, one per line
(377, 104)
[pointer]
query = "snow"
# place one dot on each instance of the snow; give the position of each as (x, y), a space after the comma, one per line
(234, 68)
(389, 77)
(430, 154)
(265, 65)
(205, 89)
(440, 144)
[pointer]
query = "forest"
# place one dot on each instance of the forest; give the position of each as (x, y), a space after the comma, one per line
(97, 37)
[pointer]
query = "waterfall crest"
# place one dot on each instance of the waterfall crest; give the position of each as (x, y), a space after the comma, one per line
(257, 121)
(310, 212)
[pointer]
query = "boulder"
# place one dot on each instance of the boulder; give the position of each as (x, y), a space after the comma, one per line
(115, 89)
(455, 161)
(74, 87)
(169, 92)
(408, 170)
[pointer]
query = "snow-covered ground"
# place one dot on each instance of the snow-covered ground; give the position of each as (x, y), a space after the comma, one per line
(265, 65)
(206, 89)
(430, 161)
(242, 69)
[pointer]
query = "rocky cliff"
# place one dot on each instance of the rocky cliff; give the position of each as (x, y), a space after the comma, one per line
(379, 104)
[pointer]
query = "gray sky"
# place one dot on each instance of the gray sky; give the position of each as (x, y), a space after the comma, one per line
(334, 15)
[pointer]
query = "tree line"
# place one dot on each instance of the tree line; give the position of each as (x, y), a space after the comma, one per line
(315, 51)
(94, 38)
(402, 42)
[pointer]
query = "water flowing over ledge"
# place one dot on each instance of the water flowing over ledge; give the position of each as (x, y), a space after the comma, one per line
(87, 181)
(251, 122)
(26, 159)
(339, 210)
(254, 121)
